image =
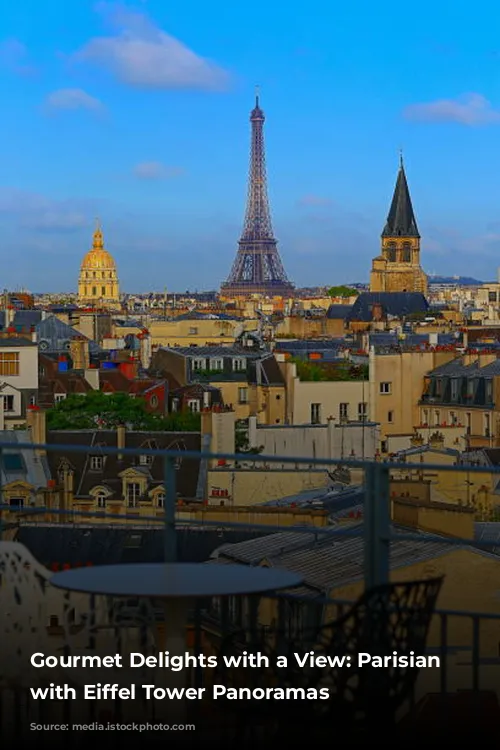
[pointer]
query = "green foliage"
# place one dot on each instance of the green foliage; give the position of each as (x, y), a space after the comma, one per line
(241, 438)
(342, 291)
(96, 409)
(328, 371)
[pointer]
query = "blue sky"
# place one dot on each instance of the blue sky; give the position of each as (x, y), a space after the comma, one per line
(139, 114)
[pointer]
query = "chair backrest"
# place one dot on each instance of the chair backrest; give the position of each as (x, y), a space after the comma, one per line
(388, 620)
(23, 625)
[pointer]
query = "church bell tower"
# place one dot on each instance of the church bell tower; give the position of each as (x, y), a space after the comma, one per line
(397, 268)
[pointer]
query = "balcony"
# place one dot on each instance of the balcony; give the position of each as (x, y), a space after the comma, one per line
(367, 568)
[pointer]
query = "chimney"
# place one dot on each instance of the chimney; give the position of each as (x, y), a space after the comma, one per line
(35, 419)
(416, 440)
(487, 358)
(121, 439)
(145, 351)
(80, 353)
(470, 357)
(377, 312)
(92, 377)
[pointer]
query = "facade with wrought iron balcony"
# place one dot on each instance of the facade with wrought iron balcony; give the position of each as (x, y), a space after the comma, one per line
(465, 393)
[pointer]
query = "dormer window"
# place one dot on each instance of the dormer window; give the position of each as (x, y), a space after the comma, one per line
(96, 463)
(454, 389)
(146, 460)
(216, 364)
(239, 364)
(199, 364)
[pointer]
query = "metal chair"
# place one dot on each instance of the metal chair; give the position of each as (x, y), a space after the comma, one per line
(386, 619)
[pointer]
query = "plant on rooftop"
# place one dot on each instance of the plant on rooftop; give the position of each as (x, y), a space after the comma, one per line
(342, 291)
(97, 410)
(328, 371)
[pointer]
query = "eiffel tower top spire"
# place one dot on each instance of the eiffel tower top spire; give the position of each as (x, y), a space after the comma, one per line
(258, 267)
(401, 220)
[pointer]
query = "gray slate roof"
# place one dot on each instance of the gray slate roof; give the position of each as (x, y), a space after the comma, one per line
(395, 304)
(21, 465)
(54, 336)
(401, 221)
(326, 561)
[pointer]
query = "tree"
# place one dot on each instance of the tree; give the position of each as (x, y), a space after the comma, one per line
(342, 291)
(97, 410)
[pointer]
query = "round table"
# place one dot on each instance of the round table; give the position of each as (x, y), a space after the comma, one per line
(179, 585)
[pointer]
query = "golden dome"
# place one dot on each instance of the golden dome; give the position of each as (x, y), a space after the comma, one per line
(98, 257)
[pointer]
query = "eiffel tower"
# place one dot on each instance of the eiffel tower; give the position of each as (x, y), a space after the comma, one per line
(257, 268)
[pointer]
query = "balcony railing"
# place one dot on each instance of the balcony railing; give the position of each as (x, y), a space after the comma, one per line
(467, 641)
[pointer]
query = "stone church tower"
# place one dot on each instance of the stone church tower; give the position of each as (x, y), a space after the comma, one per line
(397, 268)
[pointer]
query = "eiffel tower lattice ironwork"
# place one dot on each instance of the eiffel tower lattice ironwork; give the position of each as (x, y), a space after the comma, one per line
(257, 267)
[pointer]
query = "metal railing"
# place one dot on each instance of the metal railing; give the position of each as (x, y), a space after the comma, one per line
(376, 530)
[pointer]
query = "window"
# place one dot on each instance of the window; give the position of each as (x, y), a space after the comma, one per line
(315, 413)
(193, 405)
(453, 418)
(489, 391)
(160, 500)
(425, 416)
(153, 401)
(383, 446)
(487, 426)
(96, 463)
(468, 420)
(391, 252)
(454, 389)
(8, 403)
(9, 364)
(193, 331)
(146, 460)
(94, 290)
(437, 417)
(390, 416)
(385, 388)
(439, 386)
(199, 364)
(216, 364)
(59, 397)
(344, 411)
(101, 499)
(175, 404)
(362, 411)
(406, 255)
(239, 365)
(16, 502)
(103, 291)
(243, 395)
(32, 400)
(133, 494)
(492, 297)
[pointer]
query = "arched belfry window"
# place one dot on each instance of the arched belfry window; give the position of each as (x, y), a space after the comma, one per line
(391, 252)
(406, 256)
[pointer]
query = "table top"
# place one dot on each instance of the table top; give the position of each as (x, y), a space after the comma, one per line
(175, 580)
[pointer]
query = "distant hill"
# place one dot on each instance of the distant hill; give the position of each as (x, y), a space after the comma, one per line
(458, 280)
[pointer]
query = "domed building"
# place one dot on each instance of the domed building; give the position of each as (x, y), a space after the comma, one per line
(98, 281)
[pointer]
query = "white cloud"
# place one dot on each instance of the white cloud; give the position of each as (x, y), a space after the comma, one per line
(314, 200)
(155, 170)
(14, 56)
(142, 55)
(37, 212)
(72, 99)
(470, 109)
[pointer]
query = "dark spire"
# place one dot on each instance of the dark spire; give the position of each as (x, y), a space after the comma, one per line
(401, 221)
